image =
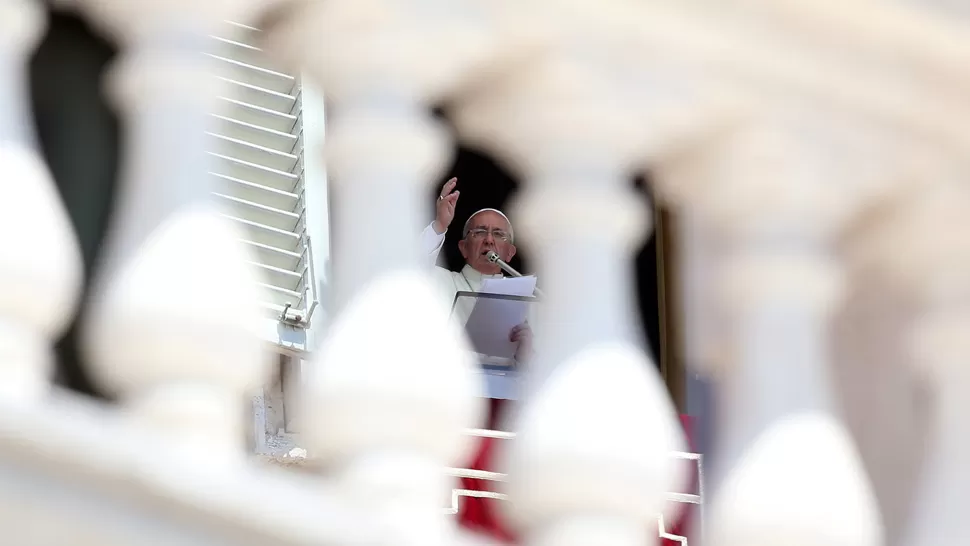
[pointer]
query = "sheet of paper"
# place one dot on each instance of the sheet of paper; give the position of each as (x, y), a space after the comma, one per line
(491, 320)
(510, 286)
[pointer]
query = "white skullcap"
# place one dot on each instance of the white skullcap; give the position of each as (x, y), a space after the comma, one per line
(468, 223)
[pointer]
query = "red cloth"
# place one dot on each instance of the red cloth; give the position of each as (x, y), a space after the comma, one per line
(481, 514)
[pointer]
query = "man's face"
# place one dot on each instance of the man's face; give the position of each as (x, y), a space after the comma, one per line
(487, 231)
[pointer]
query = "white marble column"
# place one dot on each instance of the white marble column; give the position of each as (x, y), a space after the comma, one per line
(40, 264)
(924, 246)
(591, 462)
(392, 387)
(883, 395)
(778, 190)
(173, 326)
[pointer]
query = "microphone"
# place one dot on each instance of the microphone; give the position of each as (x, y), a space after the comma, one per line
(493, 257)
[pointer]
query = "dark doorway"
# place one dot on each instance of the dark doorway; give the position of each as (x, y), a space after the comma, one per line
(79, 137)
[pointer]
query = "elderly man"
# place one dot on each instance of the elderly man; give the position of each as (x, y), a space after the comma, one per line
(486, 230)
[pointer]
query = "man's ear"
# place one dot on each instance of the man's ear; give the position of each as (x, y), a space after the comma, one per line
(511, 253)
(463, 248)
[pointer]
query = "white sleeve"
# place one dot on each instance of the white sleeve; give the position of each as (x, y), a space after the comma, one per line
(431, 242)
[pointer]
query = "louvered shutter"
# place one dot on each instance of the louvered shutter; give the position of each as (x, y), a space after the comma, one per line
(259, 169)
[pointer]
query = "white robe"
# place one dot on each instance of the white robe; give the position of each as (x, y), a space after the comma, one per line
(449, 283)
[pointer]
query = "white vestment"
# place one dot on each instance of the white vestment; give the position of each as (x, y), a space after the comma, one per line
(449, 283)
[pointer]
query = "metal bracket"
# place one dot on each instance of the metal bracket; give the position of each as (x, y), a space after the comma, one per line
(291, 320)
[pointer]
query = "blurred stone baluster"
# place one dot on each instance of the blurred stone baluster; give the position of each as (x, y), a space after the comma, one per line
(392, 387)
(926, 248)
(787, 469)
(406, 56)
(40, 264)
(172, 328)
(592, 459)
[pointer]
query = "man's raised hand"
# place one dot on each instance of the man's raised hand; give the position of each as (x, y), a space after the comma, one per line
(445, 206)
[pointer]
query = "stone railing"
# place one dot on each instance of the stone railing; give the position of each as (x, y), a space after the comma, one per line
(818, 145)
(288, 454)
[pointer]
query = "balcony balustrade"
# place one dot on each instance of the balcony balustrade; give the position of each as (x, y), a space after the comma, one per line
(817, 146)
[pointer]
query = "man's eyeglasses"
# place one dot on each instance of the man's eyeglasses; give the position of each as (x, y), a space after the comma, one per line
(480, 233)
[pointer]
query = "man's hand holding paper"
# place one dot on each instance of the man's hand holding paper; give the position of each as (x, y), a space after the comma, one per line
(521, 335)
(497, 327)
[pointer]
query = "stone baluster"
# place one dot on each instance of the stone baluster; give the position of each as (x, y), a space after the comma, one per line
(40, 264)
(172, 328)
(777, 192)
(591, 462)
(379, 132)
(925, 248)
(392, 387)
